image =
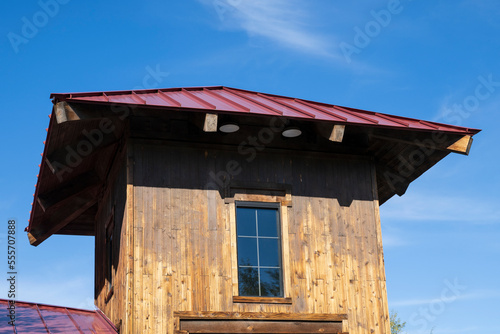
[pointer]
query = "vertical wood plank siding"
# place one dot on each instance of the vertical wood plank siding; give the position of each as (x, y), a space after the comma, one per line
(181, 244)
(113, 305)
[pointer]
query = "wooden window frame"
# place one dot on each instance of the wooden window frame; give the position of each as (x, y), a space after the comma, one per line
(264, 205)
(261, 193)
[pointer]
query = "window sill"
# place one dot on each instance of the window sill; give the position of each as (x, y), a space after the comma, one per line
(262, 300)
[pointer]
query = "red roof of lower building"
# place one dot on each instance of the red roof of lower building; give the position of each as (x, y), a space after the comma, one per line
(40, 318)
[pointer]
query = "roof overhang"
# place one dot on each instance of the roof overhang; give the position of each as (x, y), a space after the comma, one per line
(87, 133)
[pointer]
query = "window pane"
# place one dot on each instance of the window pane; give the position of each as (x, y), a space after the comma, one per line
(269, 253)
(245, 220)
(268, 222)
(247, 252)
(270, 283)
(248, 282)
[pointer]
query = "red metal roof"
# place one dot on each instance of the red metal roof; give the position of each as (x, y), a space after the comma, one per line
(225, 99)
(40, 318)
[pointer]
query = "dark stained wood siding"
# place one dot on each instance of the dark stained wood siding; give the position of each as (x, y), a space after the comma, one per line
(113, 206)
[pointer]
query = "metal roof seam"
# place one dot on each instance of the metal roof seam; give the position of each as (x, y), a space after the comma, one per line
(73, 320)
(168, 99)
(230, 90)
(105, 318)
(320, 109)
(134, 95)
(429, 124)
(274, 99)
(392, 119)
(352, 113)
(226, 100)
(41, 317)
(198, 99)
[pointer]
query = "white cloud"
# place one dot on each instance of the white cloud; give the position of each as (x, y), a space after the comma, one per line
(427, 207)
(280, 21)
(476, 295)
(464, 106)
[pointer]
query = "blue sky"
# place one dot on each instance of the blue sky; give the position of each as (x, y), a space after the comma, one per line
(434, 60)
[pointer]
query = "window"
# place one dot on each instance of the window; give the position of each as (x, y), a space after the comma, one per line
(259, 249)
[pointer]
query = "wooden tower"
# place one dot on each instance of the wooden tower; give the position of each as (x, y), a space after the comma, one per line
(218, 210)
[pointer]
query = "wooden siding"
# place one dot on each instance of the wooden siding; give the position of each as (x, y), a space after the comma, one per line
(112, 300)
(176, 224)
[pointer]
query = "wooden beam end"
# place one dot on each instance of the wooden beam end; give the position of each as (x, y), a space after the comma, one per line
(337, 134)
(210, 124)
(462, 145)
(33, 240)
(60, 111)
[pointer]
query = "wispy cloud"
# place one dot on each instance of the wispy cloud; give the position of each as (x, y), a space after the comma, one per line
(476, 295)
(480, 99)
(286, 22)
(427, 207)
